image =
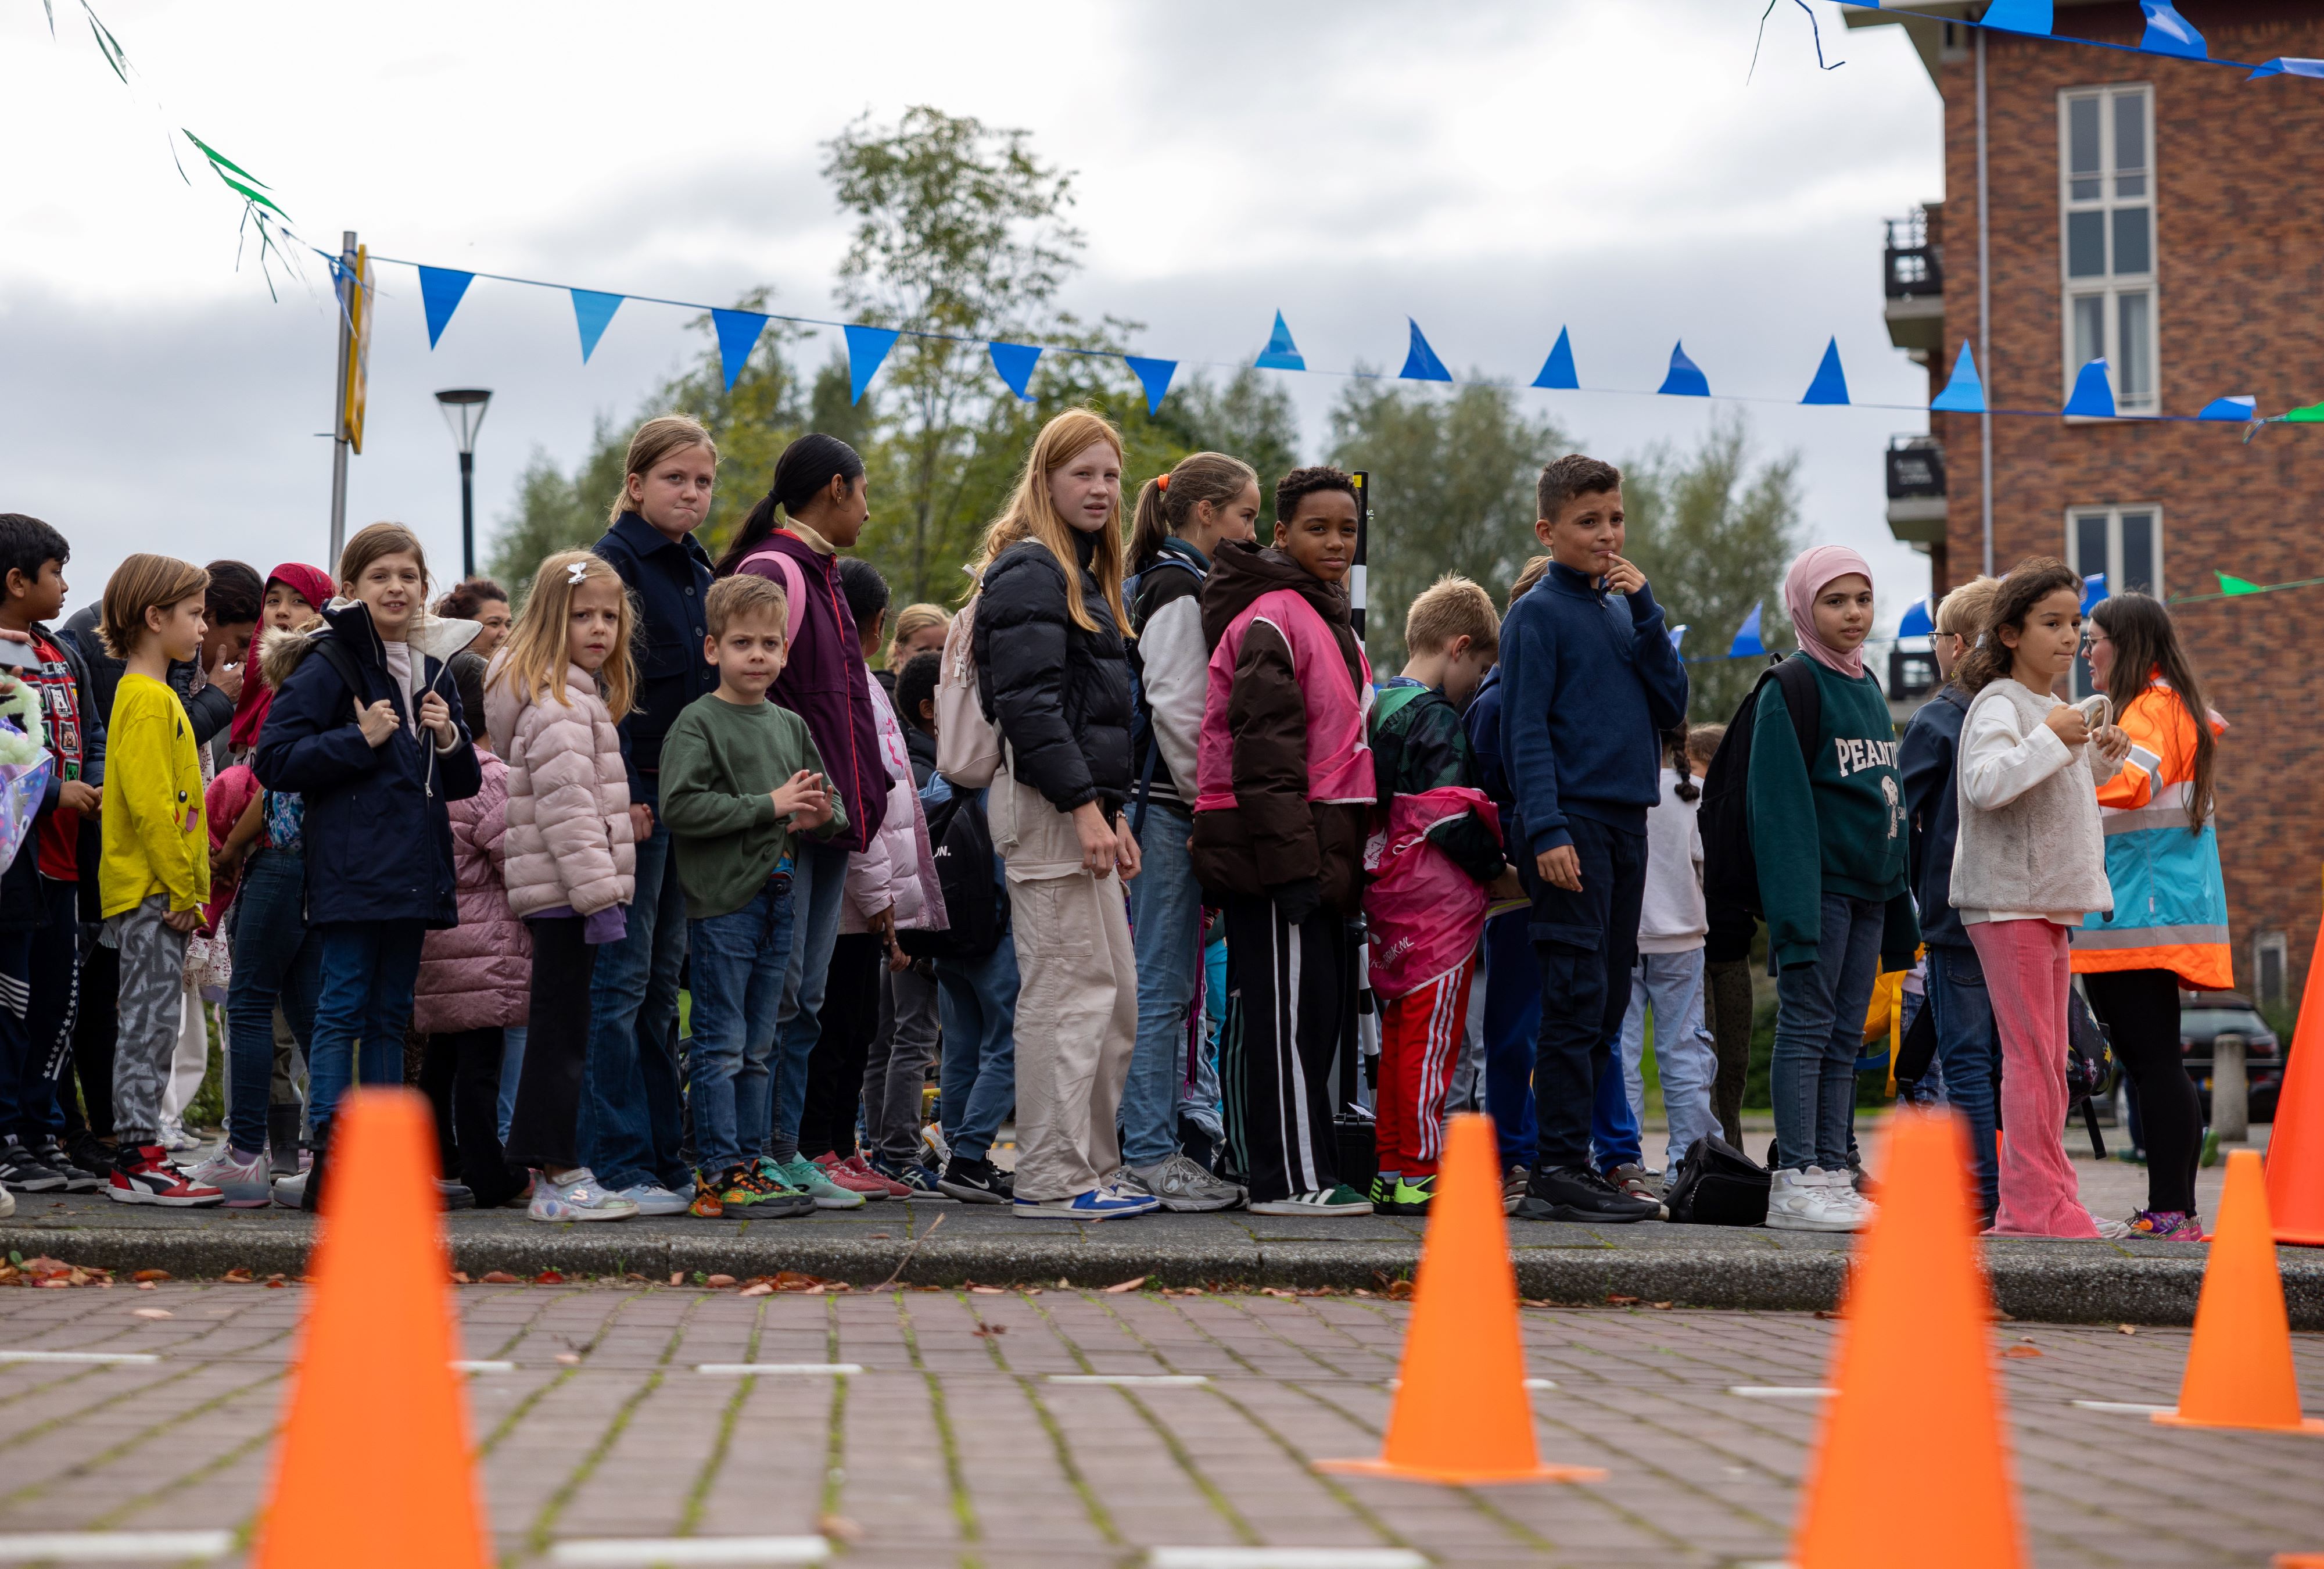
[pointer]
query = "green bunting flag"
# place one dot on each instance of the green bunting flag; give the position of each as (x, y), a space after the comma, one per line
(2233, 586)
(2311, 415)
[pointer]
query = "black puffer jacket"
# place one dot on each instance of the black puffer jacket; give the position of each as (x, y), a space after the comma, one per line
(1059, 695)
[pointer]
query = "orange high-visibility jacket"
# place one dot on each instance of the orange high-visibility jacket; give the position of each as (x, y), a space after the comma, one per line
(2170, 900)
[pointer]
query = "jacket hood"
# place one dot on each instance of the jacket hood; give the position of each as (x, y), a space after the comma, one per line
(1241, 571)
(280, 650)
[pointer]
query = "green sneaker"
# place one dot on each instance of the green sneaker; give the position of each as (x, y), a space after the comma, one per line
(1383, 1191)
(808, 1177)
(1411, 1196)
(1341, 1201)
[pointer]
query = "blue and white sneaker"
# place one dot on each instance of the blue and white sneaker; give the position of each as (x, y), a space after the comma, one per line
(918, 1179)
(576, 1198)
(1098, 1204)
(653, 1199)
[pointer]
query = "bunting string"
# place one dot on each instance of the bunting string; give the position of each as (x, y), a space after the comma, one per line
(2167, 33)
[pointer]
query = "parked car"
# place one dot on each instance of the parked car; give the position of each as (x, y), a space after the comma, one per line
(2205, 1015)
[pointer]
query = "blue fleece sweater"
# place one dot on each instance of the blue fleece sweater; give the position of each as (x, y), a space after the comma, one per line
(1588, 682)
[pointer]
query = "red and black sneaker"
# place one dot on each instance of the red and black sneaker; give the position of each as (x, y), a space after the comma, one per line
(142, 1174)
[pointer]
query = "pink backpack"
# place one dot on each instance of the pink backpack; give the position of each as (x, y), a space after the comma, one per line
(794, 589)
(1424, 913)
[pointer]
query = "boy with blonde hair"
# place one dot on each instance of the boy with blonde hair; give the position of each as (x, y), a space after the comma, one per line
(1419, 748)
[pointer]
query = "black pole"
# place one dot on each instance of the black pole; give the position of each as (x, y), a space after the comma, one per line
(467, 515)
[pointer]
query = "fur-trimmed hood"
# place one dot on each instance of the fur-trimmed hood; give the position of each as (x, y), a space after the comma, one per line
(279, 648)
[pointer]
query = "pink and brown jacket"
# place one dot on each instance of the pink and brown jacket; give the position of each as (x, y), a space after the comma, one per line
(478, 975)
(569, 796)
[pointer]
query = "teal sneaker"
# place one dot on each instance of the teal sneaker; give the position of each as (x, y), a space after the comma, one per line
(808, 1177)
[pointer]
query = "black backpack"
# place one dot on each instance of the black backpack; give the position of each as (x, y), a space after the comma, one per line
(1717, 1185)
(975, 904)
(1730, 872)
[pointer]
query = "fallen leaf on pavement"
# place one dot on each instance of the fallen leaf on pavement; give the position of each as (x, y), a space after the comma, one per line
(1664, 1306)
(1359, 1291)
(839, 1526)
(568, 1359)
(758, 1288)
(2023, 1350)
(676, 1278)
(797, 1280)
(153, 1313)
(548, 1277)
(151, 1275)
(1825, 1313)
(460, 1276)
(276, 1283)
(238, 1276)
(988, 1291)
(1535, 1302)
(1399, 1290)
(877, 1237)
(147, 1285)
(1132, 1285)
(1614, 1301)
(500, 1278)
(2125, 1329)
(987, 1331)
(720, 1280)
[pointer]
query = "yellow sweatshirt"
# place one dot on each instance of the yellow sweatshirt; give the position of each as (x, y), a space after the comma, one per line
(155, 840)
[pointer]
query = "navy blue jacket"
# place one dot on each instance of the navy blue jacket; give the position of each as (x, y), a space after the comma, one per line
(670, 579)
(1930, 760)
(379, 841)
(1588, 684)
(1484, 722)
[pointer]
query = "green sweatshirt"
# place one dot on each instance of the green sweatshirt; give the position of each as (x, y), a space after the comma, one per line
(719, 763)
(1837, 829)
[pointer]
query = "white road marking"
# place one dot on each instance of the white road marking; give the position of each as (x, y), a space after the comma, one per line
(1136, 1379)
(648, 1550)
(114, 1546)
(747, 1367)
(1782, 1391)
(1285, 1558)
(78, 1356)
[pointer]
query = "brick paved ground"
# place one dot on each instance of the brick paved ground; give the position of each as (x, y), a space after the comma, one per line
(954, 1447)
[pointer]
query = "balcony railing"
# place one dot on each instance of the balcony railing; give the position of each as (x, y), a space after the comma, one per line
(1911, 267)
(1916, 468)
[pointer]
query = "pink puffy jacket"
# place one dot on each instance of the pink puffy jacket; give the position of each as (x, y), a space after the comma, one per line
(569, 796)
(897, 869)
(478, 975)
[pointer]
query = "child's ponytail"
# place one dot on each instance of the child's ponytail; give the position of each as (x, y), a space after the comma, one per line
(1674, 741)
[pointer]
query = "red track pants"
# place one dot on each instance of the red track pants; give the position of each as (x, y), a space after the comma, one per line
(1421, 1035)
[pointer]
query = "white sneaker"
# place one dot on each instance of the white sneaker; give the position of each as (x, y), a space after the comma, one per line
(290, 1192)
(653, 1199)
(935, 1152)
(1183, 1186)
(576, 1198)
(1843, 1200)
(1799, 1201)
(2112, 1230)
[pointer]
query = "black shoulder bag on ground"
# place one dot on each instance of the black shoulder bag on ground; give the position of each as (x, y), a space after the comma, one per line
(1717, 1185)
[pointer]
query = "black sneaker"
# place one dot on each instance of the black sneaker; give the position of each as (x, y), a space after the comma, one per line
(22, 1171)
(975, 1182)
(78, 1178)
(1576, 1192)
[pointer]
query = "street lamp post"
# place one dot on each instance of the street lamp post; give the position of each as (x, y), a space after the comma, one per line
(463, 411)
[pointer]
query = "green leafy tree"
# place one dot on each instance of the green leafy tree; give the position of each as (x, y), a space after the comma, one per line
(1453, 484)
(1714, 529)
(556, 511)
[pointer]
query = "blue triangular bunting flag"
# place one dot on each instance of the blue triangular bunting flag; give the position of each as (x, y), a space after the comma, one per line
(2289, 65)
(1014, 362)
(1831, 383)
(1916, 622)
(1685, 378)
(1280, 353)
(866, 351)
(1746, 637)
(1678, 637)
(738, 334)
(2093, 396)
(1154, 375)
(1557, 370)
(1420, 361)
(592, 310)
(2094, 589)
(2237, 409)
(2168, 32)
(1964, 394)
(2019, 15)
(440, 289)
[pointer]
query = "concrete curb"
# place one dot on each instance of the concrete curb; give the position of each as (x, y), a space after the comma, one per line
(2060, 1283)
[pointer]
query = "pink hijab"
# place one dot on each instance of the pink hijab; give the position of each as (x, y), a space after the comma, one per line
(1814, 570)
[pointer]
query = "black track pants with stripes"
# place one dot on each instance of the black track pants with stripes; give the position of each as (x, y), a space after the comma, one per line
(1289, 992)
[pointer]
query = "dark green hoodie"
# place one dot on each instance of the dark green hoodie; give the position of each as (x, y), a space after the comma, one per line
(1836, 828)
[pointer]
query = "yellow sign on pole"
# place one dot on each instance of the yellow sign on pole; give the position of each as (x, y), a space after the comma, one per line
(359, 286)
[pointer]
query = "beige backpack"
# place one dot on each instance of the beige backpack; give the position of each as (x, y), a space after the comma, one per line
(968, 746)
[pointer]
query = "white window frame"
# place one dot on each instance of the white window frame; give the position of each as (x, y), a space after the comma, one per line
(2279, 945)
(2112, 565)
(2110, 286)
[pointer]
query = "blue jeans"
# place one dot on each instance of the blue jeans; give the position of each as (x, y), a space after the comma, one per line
(1968, 1049)
(512, 1068)
(818, 879)
(630, 1105)
(1614, 1136)
(1685, 1055)
(1166, 924)
(368, 970)
(977, 999)
(273, 961)
(1512, 1026)
(737, 962)
(1820, 1031)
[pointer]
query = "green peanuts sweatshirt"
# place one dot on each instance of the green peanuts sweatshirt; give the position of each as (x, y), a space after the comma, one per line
(1839, 827)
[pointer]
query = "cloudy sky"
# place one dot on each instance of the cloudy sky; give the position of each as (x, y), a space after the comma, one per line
(1493, 171)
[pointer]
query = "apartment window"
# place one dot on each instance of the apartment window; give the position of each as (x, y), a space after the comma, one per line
(2271, 965)
(2126, 543)
(2106, 162)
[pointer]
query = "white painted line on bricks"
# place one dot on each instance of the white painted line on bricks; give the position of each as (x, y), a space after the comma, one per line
(1136, 1378)
(486, 1367)
(1285, 1558)
(2129, 1407)
(78, 1356)
(747, 1367)
(1782, 1391)
(649, 1550)
(114, 1546)
(1530, 1383)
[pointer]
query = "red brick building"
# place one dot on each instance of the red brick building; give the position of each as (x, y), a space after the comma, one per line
(2167, 216)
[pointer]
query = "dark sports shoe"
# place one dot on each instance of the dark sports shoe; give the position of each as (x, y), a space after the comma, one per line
(976, 1182)
(141, 1174)
(22, 1171)
(1407, 1195)
(78, 1178)
(1576, 1192)
(1513, 1188)
(918, 1179)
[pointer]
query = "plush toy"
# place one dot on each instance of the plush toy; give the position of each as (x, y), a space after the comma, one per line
(26, 743)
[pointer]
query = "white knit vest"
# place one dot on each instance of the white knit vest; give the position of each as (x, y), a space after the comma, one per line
(2046, 850)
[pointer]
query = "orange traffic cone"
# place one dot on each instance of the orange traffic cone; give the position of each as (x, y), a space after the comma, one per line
(2295, 1149)
(374, 1470)
(2239, 1371)
(1914, 1375)
(1461, 1413)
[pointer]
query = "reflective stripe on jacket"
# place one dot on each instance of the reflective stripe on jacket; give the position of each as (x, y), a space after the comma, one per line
(2170, 900)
